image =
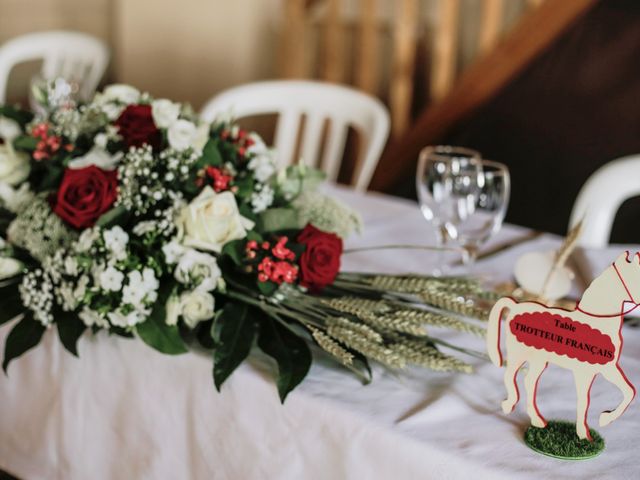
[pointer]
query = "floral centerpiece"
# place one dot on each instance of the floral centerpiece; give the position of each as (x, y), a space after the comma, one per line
(130, 215)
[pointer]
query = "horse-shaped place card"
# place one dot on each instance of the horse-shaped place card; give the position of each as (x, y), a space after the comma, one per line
(586, 340)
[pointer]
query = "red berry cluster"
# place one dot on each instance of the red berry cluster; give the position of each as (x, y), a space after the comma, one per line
(277, 264)
(218, 178)
(47, 145)
(240, 138)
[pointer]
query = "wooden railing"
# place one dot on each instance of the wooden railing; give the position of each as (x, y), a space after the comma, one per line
(371, 32)
(478, 84)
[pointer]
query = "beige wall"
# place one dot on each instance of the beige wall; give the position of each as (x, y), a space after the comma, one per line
(184, 49)
(194, 48)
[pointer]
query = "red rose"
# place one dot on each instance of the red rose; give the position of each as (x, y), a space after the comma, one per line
(85, 194)
(136, 126)
(320, 262)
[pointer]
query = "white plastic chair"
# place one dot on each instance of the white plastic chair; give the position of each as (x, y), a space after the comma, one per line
(601, 196)
(318, 102)
(71, 55)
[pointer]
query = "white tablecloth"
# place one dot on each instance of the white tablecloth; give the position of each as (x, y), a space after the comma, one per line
(124, 411)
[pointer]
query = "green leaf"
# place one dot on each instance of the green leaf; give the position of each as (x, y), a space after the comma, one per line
(24, 336)
(246, 210)
(253, 235)
(16, 113)
(10, 303)
(235, 251)
(267, 288)
(116, 216)
(276, 219)
(155, 332)
(246, 187)
(25, 142)
(211, 154)
(70, 329)
(290, 352)
(233, 334)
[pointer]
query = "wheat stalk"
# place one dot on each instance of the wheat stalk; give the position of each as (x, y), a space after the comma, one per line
(562, 255)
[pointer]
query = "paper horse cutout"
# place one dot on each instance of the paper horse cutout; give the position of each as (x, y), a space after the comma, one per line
(587, 341)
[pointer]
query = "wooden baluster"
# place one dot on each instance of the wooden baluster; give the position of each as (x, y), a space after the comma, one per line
(445, 49)
(292, 61)
(333, 49)
(535, 3)
(367, 56)
(491, 24)
(404, 53)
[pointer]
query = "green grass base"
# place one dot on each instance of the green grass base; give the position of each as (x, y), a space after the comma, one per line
(559, 440)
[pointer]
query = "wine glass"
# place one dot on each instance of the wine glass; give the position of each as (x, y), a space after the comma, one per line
(485, 210)
(448, 183)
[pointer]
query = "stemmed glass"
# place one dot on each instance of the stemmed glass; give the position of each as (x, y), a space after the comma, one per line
(486, 213)
(448, 182)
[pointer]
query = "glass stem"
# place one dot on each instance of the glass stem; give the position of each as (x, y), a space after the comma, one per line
(469, 256)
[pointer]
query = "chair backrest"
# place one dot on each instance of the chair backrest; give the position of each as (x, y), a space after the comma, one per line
(71, 55)
(378, 45)
(318, 102)
(602, 195)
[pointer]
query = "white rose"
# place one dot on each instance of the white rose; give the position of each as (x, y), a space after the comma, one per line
(211, 220)
(9, 267)
(96, 156)
(9, 129)
(14, 166)
(183, 134)
(121, 93)
(164, 112)
(199, 268)
(201, 137)
(15, 200)
(196, 306)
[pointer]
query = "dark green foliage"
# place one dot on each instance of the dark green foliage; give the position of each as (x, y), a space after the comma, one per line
(16, 114)
(290, 352)
(116, 216)
(155, 332)
(559, 440)
(70, 329)
(211, 155)
(235, 251)
(25, 335)
(233, 333)
(10, 302)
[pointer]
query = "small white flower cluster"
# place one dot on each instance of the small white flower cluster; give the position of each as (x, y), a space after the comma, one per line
(164, 221)
(263, 166)
(327, 214)
(199, 274)
(262, 197)
(36, 293)
(66, 121)
(143, 183)
(114, 99)
(100, 276)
